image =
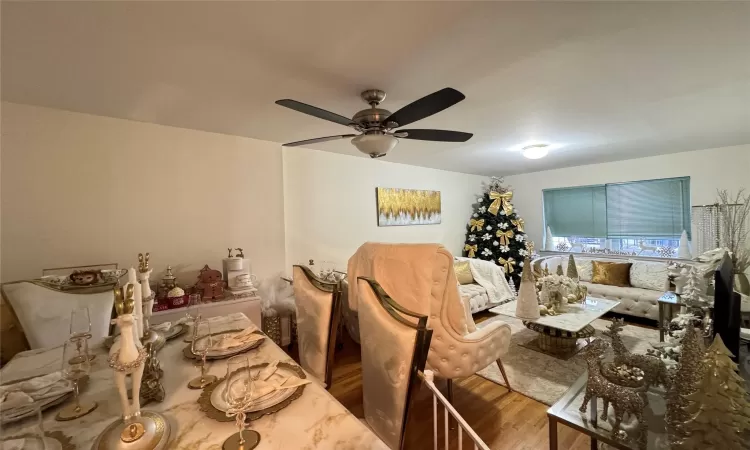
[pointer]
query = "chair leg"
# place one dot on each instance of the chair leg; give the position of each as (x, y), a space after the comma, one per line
(450, 391)
(505, 376)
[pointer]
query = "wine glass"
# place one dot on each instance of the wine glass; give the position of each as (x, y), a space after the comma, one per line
(193, 307)
(80, 325)
(76, 366)
(238, 391)
(202, 343)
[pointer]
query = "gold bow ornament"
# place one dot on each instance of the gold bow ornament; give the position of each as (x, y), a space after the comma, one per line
(505, 236)
(501, 199)
(472, 249)
(518, 223)
(507, 264)
(476, 225)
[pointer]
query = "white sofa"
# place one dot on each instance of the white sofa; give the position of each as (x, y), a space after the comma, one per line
(648, 278)
(489, 289)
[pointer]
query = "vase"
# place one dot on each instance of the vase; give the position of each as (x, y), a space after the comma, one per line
(741, 283)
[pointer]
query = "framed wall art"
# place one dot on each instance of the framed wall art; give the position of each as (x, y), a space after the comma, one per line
(407, 207)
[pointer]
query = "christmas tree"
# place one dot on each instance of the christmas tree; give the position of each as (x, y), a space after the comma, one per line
(719, 409)
(689, 372)
(495, 231)
(694, 291)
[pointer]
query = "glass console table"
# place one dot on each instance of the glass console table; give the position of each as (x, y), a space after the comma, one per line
(565, 411)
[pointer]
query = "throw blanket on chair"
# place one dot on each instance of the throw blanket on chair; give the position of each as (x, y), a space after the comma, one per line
(491, 277)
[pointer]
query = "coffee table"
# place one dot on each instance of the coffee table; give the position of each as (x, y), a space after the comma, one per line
(567, 333)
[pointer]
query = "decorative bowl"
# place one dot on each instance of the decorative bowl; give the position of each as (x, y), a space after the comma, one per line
(632, 377)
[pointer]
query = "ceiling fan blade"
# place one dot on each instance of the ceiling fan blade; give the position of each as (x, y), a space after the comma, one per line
(315, 111)
(426, 106)
(320, 139)
(437, 135)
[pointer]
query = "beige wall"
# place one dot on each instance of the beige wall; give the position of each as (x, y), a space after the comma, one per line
(81, 189)
(709, 170)
(330, 206)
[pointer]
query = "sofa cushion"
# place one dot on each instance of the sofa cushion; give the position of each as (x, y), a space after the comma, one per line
(633, 301)
(585, 269)
(463, 272)
(611, 273)
(649, 275)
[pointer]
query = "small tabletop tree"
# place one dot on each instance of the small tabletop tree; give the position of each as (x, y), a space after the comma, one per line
(719, 408)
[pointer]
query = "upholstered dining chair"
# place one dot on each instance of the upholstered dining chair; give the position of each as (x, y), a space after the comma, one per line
(395, 342)
(44, 313)
(421, 277)
(318, 314)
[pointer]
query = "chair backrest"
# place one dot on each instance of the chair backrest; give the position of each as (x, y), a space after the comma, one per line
(423, 274)
(44, 313)
(395, 343)
(318, 314)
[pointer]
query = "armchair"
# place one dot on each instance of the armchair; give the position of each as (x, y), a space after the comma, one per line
(421, 276)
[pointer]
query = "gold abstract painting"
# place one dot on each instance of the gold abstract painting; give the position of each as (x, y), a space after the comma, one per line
(408, 207)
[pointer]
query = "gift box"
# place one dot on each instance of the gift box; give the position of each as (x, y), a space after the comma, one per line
(177, 302)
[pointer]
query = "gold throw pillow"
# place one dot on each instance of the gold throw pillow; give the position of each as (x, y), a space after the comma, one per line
(463, 272)
(611, 273)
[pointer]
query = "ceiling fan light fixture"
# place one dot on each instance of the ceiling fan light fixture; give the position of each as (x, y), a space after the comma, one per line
(375, 145)
(535, 151)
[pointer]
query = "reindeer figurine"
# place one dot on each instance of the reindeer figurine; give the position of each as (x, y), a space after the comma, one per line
(623, 399)
(127, 358)
(654, 369)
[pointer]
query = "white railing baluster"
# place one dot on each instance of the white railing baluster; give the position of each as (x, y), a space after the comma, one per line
(434, 420)
(428, 378)
(446, 428)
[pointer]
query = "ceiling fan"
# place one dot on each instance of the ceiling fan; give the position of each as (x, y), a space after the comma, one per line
(377, 126)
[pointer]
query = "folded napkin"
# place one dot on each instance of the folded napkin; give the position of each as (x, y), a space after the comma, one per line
(269, 380)
(238, 339)
(164, 326)
(26, 392)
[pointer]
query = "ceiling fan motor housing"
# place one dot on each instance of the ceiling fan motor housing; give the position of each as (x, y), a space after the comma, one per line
(371, 118)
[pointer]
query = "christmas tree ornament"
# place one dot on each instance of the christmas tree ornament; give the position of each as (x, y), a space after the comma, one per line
(471, 249)
(505, 236)
(718, 409)
(683, 252)
(518, 223)
(476, 225)
(507, 264)
(527, 304)
(501, 199)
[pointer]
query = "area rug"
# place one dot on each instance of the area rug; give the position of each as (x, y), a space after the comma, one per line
(546, 378)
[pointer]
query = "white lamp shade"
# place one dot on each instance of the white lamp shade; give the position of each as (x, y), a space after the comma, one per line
(375, 145)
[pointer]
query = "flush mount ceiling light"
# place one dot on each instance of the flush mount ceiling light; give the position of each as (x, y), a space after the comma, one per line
(535, 151)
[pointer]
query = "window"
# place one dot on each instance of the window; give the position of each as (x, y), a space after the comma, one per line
(642, 217)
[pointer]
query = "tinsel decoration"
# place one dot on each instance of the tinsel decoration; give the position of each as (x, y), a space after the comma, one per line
(495, 232)
(719, 410)
(684, 382)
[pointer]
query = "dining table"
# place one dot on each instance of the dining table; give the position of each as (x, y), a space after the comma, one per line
(315, 420)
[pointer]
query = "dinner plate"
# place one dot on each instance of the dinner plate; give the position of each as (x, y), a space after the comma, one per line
(212, 400)
(224, 353)
(175, 331)
(19, 413)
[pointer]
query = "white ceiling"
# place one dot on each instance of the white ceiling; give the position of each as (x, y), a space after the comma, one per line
(609, 80)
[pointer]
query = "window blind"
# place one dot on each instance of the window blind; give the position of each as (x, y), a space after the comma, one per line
(577, 211)
(649, 209)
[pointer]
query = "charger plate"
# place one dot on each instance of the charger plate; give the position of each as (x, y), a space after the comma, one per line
(226, 353)
(45, 404)
(53, 440)
(212, 403)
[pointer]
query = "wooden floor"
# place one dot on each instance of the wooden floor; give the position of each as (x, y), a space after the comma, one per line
(504, 420)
